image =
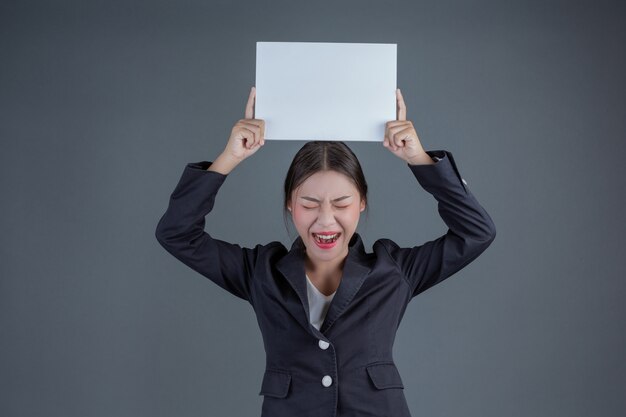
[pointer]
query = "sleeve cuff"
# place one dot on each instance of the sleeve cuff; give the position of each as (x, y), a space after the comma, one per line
(202, 166)
(444, 169)
(436, 156)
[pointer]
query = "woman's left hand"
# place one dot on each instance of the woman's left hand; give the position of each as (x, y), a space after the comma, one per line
(401, 138)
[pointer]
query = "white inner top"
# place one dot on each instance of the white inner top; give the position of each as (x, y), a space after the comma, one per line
(318, 304)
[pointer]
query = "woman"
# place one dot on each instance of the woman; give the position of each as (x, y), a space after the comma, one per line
(327, 309)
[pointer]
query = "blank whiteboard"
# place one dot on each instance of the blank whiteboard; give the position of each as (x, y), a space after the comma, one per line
(325, 91)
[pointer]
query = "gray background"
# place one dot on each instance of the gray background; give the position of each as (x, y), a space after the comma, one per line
(104, 102)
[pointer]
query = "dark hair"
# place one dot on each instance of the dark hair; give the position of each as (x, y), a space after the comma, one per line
(318, 156)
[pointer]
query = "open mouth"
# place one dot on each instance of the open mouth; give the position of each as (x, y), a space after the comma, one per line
(326, 238)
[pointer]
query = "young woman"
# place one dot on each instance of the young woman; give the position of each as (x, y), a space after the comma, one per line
(327, 309)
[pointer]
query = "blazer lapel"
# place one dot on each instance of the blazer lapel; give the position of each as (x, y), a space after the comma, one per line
(355, 271)
(292, 268)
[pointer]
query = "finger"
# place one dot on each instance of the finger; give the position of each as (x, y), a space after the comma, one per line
(258, 143)
(251, 122)
(249, 114)
(392, 143)
(248, 137)
(259, 134)
(260, 123)
(401, 110)
(399, 139)
(397, 126)
(387, 144)
(395, 123)
(256, 126)
(387, 140)
(404, 136)
(250, 125)
(255, 122)
(396, 138)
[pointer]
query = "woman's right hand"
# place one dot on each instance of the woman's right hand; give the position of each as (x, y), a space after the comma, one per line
(247, 135)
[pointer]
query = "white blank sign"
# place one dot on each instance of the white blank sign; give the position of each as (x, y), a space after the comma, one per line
(325, 91)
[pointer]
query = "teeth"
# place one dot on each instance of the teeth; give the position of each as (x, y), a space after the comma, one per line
(326, 238)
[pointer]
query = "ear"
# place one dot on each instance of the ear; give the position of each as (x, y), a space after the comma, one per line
(362, 205)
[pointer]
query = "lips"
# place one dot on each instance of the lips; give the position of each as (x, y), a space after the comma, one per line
(326, 237)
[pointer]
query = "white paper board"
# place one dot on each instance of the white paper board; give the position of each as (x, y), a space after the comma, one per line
(325, 91)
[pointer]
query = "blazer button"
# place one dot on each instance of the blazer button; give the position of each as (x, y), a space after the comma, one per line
(323, 344)
(327, 381)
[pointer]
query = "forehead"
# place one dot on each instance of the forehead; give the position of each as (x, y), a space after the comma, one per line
(327, 182)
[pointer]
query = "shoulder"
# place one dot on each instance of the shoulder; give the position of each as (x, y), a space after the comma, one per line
(254, 252)
(271, 251)
(382, 251)
(271, 247)
(387, 249)
(384, 244)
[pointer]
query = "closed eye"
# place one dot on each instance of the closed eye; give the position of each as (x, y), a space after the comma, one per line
(314, 207)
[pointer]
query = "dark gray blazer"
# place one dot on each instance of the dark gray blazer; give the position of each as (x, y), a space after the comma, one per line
(345, 369)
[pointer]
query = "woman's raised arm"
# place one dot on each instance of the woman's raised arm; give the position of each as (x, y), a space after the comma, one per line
(471, 229)
(181, 228)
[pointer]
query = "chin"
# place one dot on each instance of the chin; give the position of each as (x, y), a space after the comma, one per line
(326, 254)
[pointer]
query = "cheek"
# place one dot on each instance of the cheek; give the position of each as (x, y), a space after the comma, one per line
(301, 218)
(350, 217)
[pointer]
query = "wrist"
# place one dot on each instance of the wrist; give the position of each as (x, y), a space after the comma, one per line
(224, 164)
(420, 159)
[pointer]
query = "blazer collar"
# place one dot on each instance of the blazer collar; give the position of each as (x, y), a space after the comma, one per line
(355, 270)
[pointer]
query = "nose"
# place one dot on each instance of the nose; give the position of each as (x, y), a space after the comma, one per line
(326, 215)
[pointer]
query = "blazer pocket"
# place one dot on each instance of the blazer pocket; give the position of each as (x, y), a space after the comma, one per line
(384, 375)
(275, 383)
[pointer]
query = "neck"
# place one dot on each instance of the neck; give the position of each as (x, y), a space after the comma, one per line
(325, 269)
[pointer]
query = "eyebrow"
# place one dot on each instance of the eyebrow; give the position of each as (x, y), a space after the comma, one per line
(336, 199)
